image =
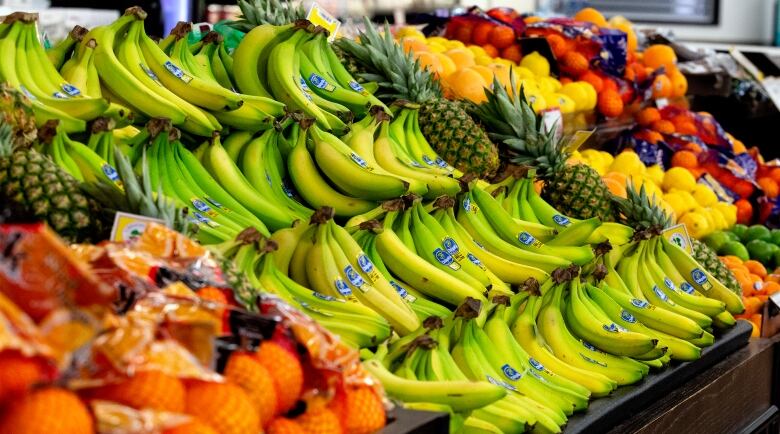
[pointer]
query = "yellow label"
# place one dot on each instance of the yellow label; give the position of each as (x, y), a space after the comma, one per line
(577, 139)
(678, 235)
(130, 226)
(320, 17)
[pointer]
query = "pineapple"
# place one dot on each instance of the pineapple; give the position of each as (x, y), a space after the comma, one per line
(38, 189)
(576, 190)
(258, 12)
(447, 126)
(16, 111)
(643, 213)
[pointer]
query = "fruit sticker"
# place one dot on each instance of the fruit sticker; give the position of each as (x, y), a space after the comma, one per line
(627, 317)
(474, 260)
(595, 362)
(669, 284)
(698, 276)
(561, 220)
(500, 383)
(359, 160)
(639, 303)
(149, 72)
(70, 89)
(343, 288)
(112, 175)
(203, 207)
(445, 259)
(428, 161)
(354, 85)
(467, 204)
(409, 298)
(354, 278)
(662, 295)
(535, 363)
(324, 297)
(367, 266)
(529, 240)
(320, 83)
(452, 247)
(685, 286)
(612, 328)
(510, 372)
(177, 72)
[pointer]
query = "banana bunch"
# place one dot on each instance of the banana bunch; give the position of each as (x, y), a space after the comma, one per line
(522, 201)
(76, 158)
(63, 50)
(27, 67)
(328, 260)
(295, 64)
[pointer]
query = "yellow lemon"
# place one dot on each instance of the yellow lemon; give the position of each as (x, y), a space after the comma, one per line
(656, 173)
(552, 101)
(679, 178)
(549, 83)
(677, 203)
(447, 65)
(462, 57)
(690, 202)
(720, 220)
(697, 224)
(591, 95)
(606, 157)
(408, 31)
(629, 163)
(503, 61)
(502, 73)
(536, 100)
(537, 63)
(485, 72)
(668, 209)
(566, 103)
(521, 72)
(483, 60)
(435, 47)
(453, 43)
(477, 50)
(438, 40)
(728, 211)
(576, 93)
(704, 195)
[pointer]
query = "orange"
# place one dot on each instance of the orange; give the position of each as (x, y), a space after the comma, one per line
(769, 186)
(615, 187)
(463, 57)
(649, 136)
(731, 261)
(743, 188)
(592, 16)
(574, 63)
(663, 127)
(752, 305)
(481, 33)
(744, 211)
(157, 240)
(772, 286)
(660, 55)
(558, 44)
(647, 116)
(502, 37)
(359, 409)
(662, 87)
(512, 53)
(610, 103)
(687, 128)
(467, 84)
(47, 411)
(610, 84)
(286, 370)
(319, 420)
(193, 427)
(640, 74)
(245, 370)
(282, 425)
(490, 50)
(463, 34)
(484, 71)
(17, 374)
(756, 331)
(756, 268)
(594, 80)
(772, 277)
(429, 61)
(775, 173)
(414, 44)
(211, 293)
(447, 65)
(685, 159)
(146, 389)
(679, 83)
(224, 407)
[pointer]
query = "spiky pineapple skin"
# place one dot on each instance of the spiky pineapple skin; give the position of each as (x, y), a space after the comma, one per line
(457, 138)
(579, 191)
(16, 111)
(34, 183)
(708, 259)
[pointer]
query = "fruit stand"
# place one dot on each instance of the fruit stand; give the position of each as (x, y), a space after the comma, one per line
(494, 223)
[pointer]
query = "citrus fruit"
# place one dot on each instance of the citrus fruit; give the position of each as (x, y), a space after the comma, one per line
(223, 406)
(647, 116)
(558, 44)
(286, 370)
(610, 104)
(484, 71)
(512, 53)
(704, 195)
(656, 173)
(679, 178)
(192, 427)
(409, 31)
(656, 56)
(447, 65)
(769, 186)
(728, 211)
(756, 268)
(463, 34)
(760, 250)
(594, 80)
(574, 63)
(686, 159)
(592, 16)
(319, 420)
(577, 93)
(282, 425)
(247, 372)
(468, 84)
(483, 60)
(430, 62)
(564, 103)
(502, 37)
(481, 33)
(490, 50)
(717, 240)
(758, 232)
(662, 87)
(627, 162)
(477, 50)
(696, 223)
(359, 409)
(537, 64)
(47, 411)
(145, 389)
(17, 374)
(414, 44)
(735, 248)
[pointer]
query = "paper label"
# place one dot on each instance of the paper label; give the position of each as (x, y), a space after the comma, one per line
(678, 235)
(319, 82)
(320, 17)
(177, 72)
(577, 139)
(130, 226)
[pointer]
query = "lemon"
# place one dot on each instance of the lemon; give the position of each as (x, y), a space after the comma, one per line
(521, 72)
(550, 83)
(552, 101)
(435, 47)
(536, 100)
(656, 173)
(697, 224)
(719, 219)
(592, 96)
(678, 178)
(537, 63)
(652, 190)
(728, 211)
(503, 61)
(477, 50)
(678, 203)
(438, 40)
(529, 85)
(668, 209)
(483, 60)
(453, 43)
(408, 31)
(704, 195)
(606, 157)
(628, 163)
(448, 66)
(576, 93)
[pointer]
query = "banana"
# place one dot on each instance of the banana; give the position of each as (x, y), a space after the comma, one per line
(576, 234)
(120, 81)
(225, 171)
(523, 208)
(218, 66)
(128, 52)
(704, 305)
(314, 189)
(628, 271)
(193, 89)
(236, 142)
(321, 269)
(385, 156)
(205, 53)
(606, 336)
(405, 263)
(350, 172)
(250, 59)
(76, 70)
(419, 146)
(545, 212)
(91, 166)
(458, 395)
(386, 301)
(54, 147)
(247, 117)
(361, 140)
(679, 349)
(701, 279)
(656, 318)
(525, 333)
(581, 354)
(297, 269)
(61, 52)
(401, 143)
(617, 234)
(473, 221)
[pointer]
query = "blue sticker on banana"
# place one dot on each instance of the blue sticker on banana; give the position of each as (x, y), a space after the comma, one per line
(510, 372)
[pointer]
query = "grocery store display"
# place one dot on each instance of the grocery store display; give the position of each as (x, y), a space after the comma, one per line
(394, 214)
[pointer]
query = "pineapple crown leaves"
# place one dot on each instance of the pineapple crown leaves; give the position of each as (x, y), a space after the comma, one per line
(6, 140)
(398, 73)
(258, 12)
(641, 211)
(511, 121)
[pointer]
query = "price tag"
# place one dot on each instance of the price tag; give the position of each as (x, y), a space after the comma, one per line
(321, 17)
(552, 120)
(678, 235)
(130, 226)
(577, 139)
